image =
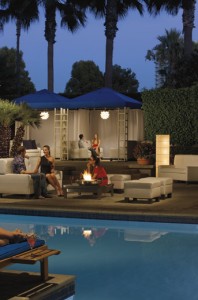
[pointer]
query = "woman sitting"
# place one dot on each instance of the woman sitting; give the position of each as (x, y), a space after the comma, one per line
(47, 165)
(98, 172)
(95, 144)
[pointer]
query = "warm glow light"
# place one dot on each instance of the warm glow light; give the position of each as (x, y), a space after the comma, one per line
(86, 176)
(86, 233)
(104, 114)
(162, 150)
(44, 115)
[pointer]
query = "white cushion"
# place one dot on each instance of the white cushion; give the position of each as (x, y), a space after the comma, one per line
(16, 184)
(184, 160)
(141, 184)
(163, 180)
(6, 165)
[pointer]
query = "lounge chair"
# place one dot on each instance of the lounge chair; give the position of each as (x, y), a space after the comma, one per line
(21, 253)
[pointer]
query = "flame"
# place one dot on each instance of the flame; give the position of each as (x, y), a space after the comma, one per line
(86, 176)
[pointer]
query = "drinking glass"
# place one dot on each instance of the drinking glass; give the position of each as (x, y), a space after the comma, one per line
(31, 239)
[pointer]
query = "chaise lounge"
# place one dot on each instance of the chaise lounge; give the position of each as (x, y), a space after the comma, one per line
(20, 253)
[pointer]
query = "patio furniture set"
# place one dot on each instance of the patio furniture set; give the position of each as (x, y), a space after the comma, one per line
(185, 168)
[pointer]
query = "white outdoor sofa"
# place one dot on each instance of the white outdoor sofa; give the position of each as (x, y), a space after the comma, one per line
(185, 168)
(20, 184)
(79, 153)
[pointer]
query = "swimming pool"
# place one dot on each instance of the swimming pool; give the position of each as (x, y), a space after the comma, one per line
(119, 259)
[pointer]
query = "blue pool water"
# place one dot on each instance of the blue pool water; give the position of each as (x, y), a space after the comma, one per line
(119, 260)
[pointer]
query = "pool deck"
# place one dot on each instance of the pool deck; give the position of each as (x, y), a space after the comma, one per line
(181, 208)
(19, 285)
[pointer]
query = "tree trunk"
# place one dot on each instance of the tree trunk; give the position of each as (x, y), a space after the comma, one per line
(188, 25)
(5, 134)
(50, 32)
(18, 34)
(17, 140)
(110, 32)
(50, 55)
(109, 63)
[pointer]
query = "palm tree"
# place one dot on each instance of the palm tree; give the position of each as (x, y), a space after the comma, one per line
(166, 54)
(112, 11)
(26, 116)
(8, 113)
(172, 7)
(23, 12)
(72, 17)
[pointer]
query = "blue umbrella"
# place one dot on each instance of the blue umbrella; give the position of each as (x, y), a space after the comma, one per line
(44, 100)
(104, 98)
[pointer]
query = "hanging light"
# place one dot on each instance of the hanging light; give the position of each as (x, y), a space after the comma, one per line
(44, 115)
(104, 114)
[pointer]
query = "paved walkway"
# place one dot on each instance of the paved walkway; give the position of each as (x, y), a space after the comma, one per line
(181, 208)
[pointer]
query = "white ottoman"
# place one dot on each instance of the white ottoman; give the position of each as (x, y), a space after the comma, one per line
(138, 189)
(118, 181)
(166, 185)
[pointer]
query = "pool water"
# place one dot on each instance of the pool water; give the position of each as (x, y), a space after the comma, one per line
(119, 260)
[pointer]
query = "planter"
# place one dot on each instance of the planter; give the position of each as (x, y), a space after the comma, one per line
(143, 161)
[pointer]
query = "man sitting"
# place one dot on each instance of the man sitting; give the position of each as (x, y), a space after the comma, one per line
(82, 143)
(39, 179)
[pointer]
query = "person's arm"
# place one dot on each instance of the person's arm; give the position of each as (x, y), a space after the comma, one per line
(95, 173)
(11, 235)
(37, 165)
(53, 165)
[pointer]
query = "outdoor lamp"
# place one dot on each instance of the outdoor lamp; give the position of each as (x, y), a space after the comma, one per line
(162, 150)
(44, 115)
(104, 114)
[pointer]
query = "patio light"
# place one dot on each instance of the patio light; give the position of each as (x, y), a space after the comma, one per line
(44, 115)
(104, 114)
(162, 150)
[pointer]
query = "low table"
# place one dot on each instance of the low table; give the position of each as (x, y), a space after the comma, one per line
(85, 188)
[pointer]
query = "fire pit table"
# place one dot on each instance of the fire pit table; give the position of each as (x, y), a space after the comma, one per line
(93, 187)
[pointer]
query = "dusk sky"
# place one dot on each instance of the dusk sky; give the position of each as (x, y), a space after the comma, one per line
(135, 36)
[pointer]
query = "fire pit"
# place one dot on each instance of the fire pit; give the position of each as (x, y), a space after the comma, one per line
(88, 182)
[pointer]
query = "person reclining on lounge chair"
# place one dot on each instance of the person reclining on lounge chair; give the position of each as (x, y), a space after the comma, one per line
(9, 237)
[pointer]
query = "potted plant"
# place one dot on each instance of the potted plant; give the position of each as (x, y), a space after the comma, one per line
(144, 152)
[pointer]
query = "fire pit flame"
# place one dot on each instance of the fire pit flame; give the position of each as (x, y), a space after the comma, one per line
(86, 176)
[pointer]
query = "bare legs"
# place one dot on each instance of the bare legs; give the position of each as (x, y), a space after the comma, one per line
(55, 183)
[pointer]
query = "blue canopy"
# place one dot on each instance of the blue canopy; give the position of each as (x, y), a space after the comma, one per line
(104, 98)
(44, 99)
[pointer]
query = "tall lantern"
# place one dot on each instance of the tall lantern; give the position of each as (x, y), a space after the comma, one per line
(162, 150)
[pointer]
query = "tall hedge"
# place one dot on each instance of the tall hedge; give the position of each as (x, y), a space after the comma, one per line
(174, 112)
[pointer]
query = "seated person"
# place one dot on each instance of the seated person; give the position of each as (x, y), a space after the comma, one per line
(95, 144)
(47, 165)
(82, 143)
(39, 181)
(97, 171)
(9, 237)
